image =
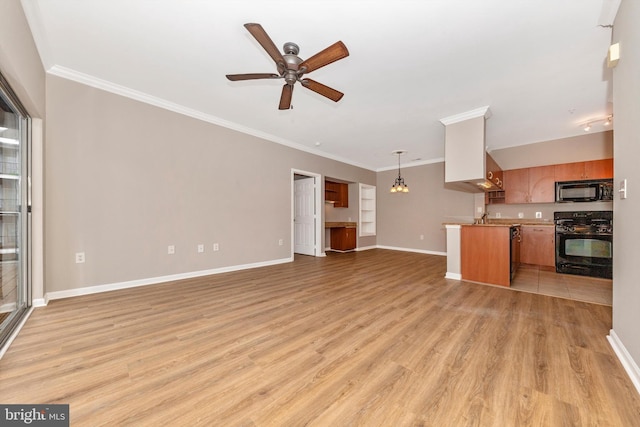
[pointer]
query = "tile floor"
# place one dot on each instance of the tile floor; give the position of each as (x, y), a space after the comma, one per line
(545, 281)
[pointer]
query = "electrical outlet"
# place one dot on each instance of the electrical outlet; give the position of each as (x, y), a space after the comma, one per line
(280, 242)
(216, 247)
(422, 237)
(171, 249)
(479, 209)
(538, 215)
(520, 215)
(79, 257)
(200, 249)
(498, 215)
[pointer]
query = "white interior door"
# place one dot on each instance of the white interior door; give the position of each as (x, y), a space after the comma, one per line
(304, 216)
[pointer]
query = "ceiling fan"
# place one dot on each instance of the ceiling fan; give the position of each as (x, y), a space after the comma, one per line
(291, 67)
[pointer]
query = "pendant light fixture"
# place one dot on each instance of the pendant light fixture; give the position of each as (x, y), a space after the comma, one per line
(399, 186)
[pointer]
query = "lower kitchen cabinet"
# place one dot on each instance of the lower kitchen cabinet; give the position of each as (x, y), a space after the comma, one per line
(343, 238)
(538, 245)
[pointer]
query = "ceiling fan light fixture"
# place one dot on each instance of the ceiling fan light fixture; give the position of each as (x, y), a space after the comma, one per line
(587, 127)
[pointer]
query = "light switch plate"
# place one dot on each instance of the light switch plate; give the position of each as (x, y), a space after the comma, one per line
(623, 189)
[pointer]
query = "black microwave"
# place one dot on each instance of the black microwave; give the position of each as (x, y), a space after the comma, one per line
(585, 191)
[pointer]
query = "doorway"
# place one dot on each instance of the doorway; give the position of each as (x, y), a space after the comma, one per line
(15, 298)
(306, 221)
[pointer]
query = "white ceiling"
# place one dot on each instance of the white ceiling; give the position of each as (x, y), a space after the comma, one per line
(538, 64)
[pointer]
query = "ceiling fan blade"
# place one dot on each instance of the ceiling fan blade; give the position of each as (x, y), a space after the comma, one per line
(323, 90)
(325, 57)
(254, 76)
(285, 98)
(265, 41)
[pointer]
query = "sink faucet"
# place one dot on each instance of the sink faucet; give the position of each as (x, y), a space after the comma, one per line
(483, 219)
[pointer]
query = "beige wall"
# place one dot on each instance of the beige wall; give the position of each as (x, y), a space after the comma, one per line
(126, 179)
(19, 60)
(592, 146)
(404, 217)
(626, 98)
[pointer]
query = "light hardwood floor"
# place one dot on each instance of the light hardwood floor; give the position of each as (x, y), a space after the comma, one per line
(372, 338)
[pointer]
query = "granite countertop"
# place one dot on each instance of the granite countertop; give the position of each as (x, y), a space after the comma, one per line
(344, 224)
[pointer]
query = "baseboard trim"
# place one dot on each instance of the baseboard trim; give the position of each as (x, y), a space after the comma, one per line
(454, 276)
(627, 361)
(40, 302)
(420, 251)
(365, 248)
(154, 280)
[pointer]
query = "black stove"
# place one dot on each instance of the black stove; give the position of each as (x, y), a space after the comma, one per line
(584, 243)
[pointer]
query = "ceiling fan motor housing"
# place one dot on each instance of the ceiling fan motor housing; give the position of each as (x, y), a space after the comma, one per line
(292, 62)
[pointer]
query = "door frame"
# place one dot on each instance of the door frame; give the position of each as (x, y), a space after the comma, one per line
(317, 183)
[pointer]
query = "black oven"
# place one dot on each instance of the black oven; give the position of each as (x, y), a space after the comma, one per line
(584, 243)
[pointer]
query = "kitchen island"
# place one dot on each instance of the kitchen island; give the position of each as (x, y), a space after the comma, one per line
(486, 253)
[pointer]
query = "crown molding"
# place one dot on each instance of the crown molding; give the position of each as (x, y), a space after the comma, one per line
(472, 114)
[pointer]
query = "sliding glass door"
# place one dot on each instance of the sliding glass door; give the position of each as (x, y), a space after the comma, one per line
(14, 212)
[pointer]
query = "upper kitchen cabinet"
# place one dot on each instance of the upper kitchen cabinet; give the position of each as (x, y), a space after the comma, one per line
(530, 185)
(595, 169)
(336, 193)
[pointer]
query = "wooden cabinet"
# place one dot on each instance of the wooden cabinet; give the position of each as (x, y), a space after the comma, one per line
(485, 254)
(530, 185)
(599, 169)
(516, 186)
(538, 245)
(596, 169)
(343, 238)
(338, 193)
